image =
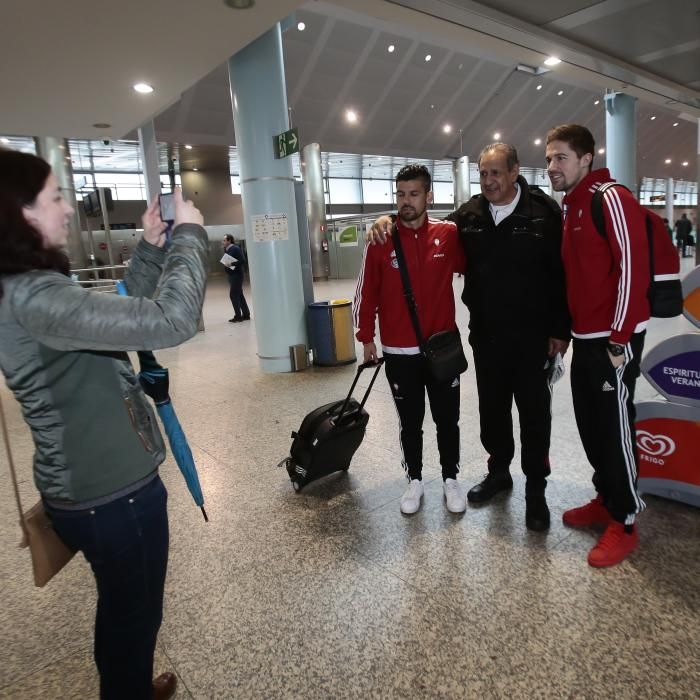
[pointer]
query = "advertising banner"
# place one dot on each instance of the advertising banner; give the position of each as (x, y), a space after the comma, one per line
(673, 368)
(668, 445)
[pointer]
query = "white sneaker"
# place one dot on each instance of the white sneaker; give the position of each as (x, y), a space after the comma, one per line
(454, 498)
(410, 501)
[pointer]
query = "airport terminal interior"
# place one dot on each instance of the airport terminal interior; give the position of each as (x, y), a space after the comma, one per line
(332, 592)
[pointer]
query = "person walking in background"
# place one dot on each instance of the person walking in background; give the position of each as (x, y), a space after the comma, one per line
(683, 232)
(234, 272)
(63, 352)
(607, 279)
(432, 255)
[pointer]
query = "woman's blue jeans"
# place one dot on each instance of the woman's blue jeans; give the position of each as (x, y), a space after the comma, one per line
(126, 544)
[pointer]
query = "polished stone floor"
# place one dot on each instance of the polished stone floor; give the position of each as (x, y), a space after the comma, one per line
(332, 593)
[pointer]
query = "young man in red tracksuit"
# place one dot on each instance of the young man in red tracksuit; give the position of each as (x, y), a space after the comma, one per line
(433, 254)
(607, 279)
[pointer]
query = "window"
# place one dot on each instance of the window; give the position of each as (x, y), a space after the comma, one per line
(443, 193)
(344, 190)
(378, 192)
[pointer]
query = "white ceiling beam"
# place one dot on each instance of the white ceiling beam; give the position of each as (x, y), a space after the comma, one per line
(349, 84)
(419, 99)
(312, 63)
(593, 13)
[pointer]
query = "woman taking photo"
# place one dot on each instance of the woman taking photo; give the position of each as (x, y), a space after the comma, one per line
(97, 443)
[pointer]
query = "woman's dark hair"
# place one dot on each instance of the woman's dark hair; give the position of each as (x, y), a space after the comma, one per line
(22, 177)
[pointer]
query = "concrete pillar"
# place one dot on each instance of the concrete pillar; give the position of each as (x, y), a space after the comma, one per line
(621, 138)
(259, 100)
(669, 201)
(148, 148)
(56, 153)
(315, 209)
(461, 183)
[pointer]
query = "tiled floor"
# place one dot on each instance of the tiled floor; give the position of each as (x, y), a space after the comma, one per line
(332, 593)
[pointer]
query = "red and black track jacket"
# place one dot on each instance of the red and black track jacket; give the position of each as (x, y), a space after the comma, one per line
(606, 278)
(433, 254)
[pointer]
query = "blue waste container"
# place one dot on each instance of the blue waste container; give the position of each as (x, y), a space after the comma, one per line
(331, 330)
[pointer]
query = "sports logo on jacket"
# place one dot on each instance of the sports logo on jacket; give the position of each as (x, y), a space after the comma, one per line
(394, 261)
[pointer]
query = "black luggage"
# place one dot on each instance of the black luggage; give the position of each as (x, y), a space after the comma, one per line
(329, 436)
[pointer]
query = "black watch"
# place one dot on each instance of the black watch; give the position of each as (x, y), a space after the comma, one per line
(615, 349)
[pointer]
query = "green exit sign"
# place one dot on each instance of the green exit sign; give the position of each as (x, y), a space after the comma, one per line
(287, 143)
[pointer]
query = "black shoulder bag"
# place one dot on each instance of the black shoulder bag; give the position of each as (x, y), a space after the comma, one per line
(443, 351)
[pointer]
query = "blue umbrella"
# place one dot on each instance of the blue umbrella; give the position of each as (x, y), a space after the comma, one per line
(155, 382)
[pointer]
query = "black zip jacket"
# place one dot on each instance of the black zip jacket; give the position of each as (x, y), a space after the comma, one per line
(514, 283)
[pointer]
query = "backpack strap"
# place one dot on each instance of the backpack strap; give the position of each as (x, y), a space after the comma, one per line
(599, 220)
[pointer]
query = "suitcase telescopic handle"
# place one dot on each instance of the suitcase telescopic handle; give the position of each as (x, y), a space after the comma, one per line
(365, 365)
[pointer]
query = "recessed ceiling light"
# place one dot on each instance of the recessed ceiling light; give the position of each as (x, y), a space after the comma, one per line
(391, 48)
(239, 4)
(432, 106)
(552, 61)
(5, 140)
(597, 102)
(560, 93)
(497, 135)
(685, 163)
(668, 161)
(351, 116)
(539, 87)
(675, 123)
(447, 128)
(102, 125)
(143, 88)
(538, 142)
(195, 169)
(601, 151)
(460, 66)
(301, 26)
(428, 57)
(188, 147)
(652, 118)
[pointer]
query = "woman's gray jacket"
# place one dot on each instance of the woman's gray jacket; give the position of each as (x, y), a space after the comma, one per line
(63, 351)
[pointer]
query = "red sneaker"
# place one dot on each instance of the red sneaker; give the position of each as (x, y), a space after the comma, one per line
(614, 545)
(593, 513)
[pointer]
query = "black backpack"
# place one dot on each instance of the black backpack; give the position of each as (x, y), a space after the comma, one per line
(665, 292)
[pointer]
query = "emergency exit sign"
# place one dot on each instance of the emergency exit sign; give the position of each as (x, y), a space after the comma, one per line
(287, 143)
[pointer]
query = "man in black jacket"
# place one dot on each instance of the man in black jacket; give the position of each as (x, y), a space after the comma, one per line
(234, 272)
(514, 289)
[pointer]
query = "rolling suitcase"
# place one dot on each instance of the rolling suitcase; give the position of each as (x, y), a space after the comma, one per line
(329, 436)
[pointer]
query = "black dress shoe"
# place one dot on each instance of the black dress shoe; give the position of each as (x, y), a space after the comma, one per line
(235, 319)
(246, 318)
(489, 487)
(536, 512)
(164, 686)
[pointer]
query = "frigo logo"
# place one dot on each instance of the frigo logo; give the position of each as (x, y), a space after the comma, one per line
(654, 447)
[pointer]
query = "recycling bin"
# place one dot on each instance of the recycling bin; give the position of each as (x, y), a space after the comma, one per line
(331, 332)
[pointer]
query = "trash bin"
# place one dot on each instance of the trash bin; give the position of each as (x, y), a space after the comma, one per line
(331, 330)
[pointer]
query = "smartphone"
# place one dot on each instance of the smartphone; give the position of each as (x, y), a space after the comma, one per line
(167, 207)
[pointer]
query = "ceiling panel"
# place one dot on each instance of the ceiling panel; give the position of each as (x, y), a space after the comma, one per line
(539, 12)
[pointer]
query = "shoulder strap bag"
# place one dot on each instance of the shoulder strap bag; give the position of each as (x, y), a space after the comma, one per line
(443, 351)
(49, 553)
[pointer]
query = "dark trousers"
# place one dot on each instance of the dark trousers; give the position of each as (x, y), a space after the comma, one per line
(505, 372)
(126, 544)
(240, 307)
(604, 408)
(409, 379)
